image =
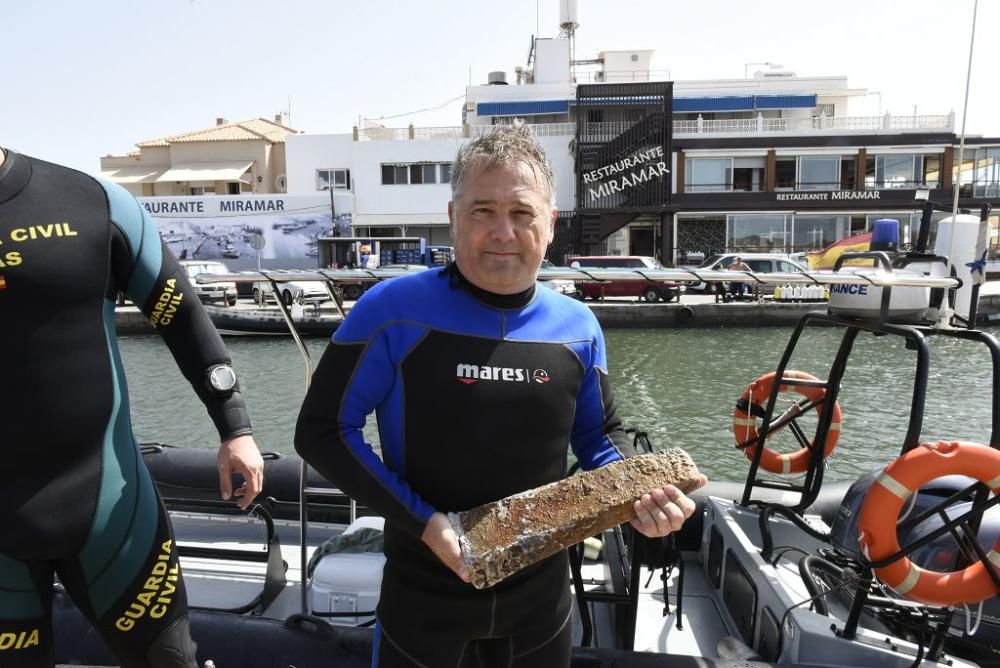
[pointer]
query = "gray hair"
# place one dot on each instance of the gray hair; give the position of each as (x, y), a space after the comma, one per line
(507, 144)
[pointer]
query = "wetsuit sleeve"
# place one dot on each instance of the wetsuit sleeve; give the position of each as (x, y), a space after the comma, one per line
(355, 375)
(598, 437)
(144, 268)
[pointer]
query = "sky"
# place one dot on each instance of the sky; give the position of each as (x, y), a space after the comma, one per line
(86, 79)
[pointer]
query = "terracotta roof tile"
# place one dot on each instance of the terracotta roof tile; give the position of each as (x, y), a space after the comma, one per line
(249, 130)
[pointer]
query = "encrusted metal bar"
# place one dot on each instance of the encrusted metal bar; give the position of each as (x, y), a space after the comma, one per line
(500, 538)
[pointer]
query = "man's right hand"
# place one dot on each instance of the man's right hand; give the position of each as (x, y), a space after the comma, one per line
(440, 537)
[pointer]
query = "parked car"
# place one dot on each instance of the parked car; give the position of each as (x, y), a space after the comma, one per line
(651, 291)
(291, 291)
(210, 292)
(759, 263)
(561, 285)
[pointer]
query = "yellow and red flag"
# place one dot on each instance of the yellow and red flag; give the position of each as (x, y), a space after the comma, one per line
(827, 257)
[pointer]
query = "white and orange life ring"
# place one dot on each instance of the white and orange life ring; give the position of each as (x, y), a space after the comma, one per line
(745, 424)
(880, 513)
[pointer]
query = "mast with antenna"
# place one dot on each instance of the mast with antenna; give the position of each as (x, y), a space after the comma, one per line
(567, 28)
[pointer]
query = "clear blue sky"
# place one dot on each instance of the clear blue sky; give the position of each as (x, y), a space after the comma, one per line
(85, 79)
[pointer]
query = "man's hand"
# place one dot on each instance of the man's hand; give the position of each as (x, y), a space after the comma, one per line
(441, 538)
(663, 511)
(240, 455)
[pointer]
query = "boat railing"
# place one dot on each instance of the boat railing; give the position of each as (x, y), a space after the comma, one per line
(330, 278)
(877, 278)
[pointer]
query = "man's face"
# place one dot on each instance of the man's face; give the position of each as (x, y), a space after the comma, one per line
(500, 226)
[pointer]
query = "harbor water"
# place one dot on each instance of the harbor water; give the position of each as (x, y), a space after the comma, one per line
(677, 385)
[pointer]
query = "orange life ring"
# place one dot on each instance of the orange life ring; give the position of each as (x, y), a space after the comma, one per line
(885, 499)
(745, 425)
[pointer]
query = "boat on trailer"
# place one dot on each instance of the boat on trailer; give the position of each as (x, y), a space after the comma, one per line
(770, 571)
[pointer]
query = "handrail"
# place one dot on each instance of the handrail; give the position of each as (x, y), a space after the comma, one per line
(753, 125)
(876, 278)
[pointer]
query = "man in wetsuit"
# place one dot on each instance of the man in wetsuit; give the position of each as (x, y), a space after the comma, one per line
(479, 382)
(75, 497)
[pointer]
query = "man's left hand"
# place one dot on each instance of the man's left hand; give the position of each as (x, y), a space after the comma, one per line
(240, 455)
(663, 511)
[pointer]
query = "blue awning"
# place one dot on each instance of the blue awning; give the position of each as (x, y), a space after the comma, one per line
(522, 108)
(743, 103)
(785, 101)
(734, 103)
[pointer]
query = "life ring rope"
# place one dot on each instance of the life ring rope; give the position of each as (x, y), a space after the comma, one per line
(813, 391)
(880, 514)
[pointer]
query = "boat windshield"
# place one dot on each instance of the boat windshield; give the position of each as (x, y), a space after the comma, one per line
(709, 261)
(205, 268)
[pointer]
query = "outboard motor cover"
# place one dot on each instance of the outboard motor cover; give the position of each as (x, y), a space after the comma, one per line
(938, 555)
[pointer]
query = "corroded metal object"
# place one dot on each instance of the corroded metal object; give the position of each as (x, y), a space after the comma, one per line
(502, 537)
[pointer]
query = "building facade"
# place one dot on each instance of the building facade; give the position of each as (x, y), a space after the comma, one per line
(247, 157)
(679, 170)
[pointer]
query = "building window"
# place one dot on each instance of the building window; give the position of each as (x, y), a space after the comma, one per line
(395, 175)
(848, 173)
(201, 190)
(420, 173)
(784, 174)
(819, 173)
(987, 179)
(757, 232)
(811, 232)
(424, 173)
(931, 173)
(708, 175)
(748, 174)
(232, 188)
(903, 170)
(825, 109)
(339, 179)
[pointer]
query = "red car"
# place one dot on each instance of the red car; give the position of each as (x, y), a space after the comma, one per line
(651, 291)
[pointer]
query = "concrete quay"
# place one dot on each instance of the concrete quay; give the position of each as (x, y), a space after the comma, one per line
(693, 310)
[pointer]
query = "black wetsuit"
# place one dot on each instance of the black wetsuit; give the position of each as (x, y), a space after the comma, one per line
(478, 396)
(75, 496)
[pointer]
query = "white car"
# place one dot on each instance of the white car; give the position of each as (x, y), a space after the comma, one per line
(210, 292)
(759, 263)
(563, 285)
(291, 291)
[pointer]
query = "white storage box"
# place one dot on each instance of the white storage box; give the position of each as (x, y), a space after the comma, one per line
(348, 582)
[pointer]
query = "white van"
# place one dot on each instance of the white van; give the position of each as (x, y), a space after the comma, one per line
(759, 263)
(210, 292)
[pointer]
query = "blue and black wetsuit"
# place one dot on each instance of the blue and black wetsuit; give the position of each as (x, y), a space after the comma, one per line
(478, 396)
(75, 496)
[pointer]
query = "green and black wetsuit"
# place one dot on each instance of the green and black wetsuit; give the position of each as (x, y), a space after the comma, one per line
(75, 496)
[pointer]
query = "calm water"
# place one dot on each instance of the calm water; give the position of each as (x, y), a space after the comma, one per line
(678, 385)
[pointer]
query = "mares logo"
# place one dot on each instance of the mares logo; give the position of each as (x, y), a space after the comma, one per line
(157, 592)
(166, 306)
(470, 373)
(22, 640)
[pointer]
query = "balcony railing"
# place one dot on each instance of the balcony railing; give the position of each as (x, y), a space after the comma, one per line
(695, 127)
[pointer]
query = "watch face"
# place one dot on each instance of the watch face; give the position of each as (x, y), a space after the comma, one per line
(222, 378)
